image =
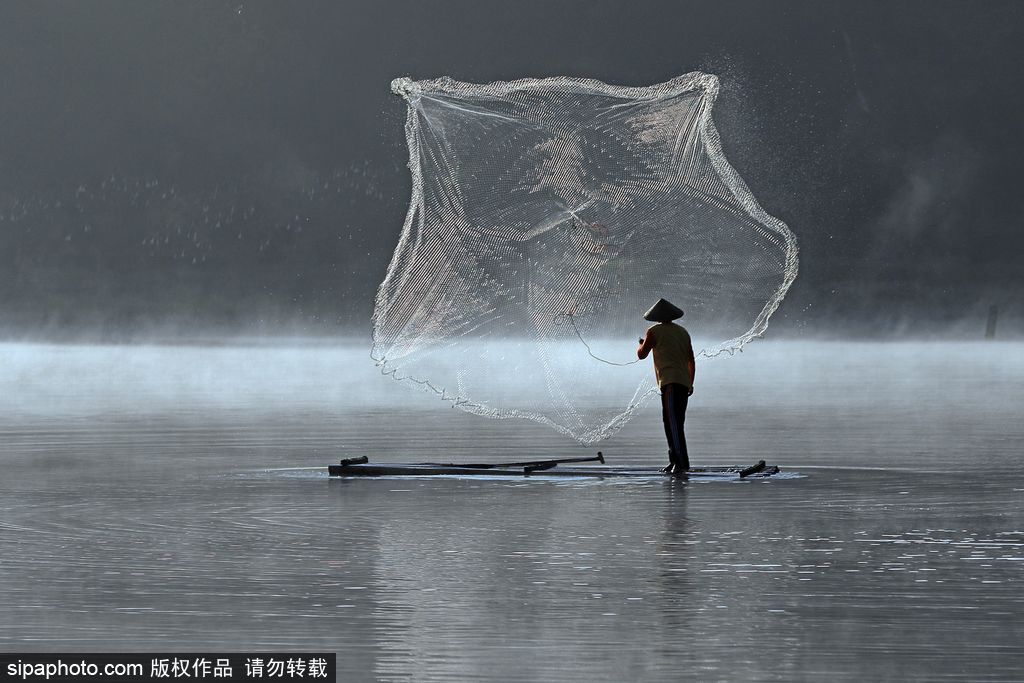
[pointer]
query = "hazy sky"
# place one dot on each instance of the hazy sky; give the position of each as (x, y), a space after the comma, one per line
(197, 165)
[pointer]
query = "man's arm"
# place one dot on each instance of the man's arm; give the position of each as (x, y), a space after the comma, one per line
(646, 344)
(691, 365)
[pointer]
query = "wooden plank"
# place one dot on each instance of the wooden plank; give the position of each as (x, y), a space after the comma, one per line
(428, 469)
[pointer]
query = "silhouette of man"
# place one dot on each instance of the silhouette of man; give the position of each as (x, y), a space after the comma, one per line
(674, 368)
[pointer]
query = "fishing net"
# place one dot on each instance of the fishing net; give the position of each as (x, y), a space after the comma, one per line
(546, 217)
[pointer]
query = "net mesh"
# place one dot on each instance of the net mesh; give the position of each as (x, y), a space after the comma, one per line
(546, 217)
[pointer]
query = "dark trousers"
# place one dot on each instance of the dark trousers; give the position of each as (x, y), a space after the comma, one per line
(674, 398)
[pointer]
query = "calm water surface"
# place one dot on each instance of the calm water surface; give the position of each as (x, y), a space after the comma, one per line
(159, 498)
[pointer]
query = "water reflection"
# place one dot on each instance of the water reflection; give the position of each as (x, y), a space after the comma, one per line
(195, 528)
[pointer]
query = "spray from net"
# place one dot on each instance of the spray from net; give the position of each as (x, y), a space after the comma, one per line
(546, 217)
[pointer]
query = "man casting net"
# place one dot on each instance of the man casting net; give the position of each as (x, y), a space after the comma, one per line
(546, 216)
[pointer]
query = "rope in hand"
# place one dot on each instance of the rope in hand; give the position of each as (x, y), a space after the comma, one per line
(572, 321)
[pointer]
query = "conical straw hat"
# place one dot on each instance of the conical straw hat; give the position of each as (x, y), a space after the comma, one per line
(663, 312)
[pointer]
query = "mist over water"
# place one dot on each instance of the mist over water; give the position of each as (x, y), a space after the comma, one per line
(176, 498)
(934, 400)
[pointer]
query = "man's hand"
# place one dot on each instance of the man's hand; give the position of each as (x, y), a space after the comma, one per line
(690, 392)
(646, 344)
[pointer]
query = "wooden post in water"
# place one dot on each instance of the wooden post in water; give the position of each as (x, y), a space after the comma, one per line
(990, 326)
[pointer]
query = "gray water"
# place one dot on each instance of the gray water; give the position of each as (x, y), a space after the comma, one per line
(162, 498)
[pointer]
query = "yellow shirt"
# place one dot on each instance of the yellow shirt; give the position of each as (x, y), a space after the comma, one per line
(672, 353)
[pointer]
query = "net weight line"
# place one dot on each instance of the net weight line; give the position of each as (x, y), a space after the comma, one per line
(572, 321)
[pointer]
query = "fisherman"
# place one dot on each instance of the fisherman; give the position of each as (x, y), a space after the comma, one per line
(674, 368)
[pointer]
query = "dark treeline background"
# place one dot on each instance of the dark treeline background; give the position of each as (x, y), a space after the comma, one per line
(188, 168)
